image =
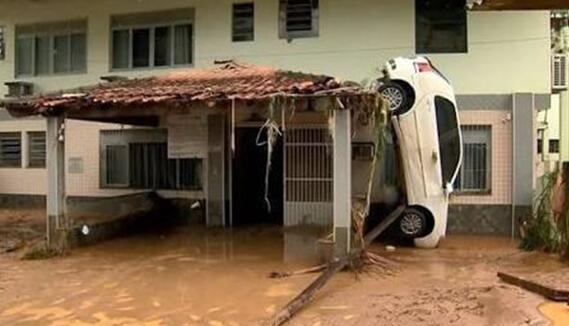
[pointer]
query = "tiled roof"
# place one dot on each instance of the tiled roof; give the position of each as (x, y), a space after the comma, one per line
(226, 82)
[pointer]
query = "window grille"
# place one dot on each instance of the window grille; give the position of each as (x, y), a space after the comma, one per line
(298, 18)
(36, 149)
(10, 149)
(475, 173)
(243, 22)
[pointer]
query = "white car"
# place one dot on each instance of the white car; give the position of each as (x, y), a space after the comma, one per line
(426, 125)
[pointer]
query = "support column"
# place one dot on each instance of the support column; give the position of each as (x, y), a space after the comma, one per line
(523, 157)
(342, 182)
(564, 126)
(56, 217)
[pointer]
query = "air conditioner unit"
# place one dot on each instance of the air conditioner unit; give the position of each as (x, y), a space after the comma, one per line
(559, 72)
(19, 89)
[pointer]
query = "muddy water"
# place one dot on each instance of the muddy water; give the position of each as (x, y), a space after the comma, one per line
(558, 313)
(187, 277)
(208, 277)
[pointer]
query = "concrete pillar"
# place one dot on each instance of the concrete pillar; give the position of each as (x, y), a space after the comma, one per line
(56, 218)
(342, 182)
(524, 141)
(564, 126)
(25, 150)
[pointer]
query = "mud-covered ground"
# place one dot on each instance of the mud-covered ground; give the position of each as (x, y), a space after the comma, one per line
(20, 229)
(193, 276)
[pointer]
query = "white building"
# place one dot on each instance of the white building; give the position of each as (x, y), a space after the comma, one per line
(498, 61)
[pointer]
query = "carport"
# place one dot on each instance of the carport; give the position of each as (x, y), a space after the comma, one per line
(271, 141)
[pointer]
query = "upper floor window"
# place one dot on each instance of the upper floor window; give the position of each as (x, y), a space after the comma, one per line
(243, 22)
(440, 26)
(158, 39)
(2, 43)
(298, 18)
(47, 49)
(554, 146)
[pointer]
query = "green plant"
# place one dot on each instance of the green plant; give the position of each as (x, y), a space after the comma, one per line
(540, 231)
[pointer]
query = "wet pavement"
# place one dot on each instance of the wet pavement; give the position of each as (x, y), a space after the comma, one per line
(193, 276)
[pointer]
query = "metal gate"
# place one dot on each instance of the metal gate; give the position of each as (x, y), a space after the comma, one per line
(308, 176)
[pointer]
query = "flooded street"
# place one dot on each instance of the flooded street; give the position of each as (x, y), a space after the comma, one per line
(208, 277)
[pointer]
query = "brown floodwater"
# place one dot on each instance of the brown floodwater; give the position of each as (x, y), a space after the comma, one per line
(188, 276)
(197, 276)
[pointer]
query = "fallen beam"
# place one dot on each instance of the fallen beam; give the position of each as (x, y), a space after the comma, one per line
(535, 287)
(338, 264)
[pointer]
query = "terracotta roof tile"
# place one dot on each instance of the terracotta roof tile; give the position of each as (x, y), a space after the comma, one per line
(230, 81)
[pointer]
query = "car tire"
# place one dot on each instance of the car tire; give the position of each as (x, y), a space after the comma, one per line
(397, 97)
(413, 223)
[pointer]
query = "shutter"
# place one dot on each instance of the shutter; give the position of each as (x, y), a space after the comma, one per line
(559, 73)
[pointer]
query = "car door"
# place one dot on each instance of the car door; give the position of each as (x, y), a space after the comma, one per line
(417, 134)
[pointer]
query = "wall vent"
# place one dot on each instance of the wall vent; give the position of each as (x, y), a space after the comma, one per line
(559, 72)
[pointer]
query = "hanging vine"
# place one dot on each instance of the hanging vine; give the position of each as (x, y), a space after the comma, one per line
(272, 130)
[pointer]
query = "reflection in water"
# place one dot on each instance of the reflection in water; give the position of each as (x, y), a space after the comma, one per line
(204, 275)
(558, 313)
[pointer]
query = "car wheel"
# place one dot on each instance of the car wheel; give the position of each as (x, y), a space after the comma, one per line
(395, 95)
(413, 223)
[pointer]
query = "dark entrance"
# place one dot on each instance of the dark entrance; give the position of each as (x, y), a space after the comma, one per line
(249, 205)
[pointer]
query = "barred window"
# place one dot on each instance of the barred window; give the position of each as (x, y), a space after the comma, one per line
(243, 22)
(475, 173)
(298, 18)
(36, 149)
(10, 149)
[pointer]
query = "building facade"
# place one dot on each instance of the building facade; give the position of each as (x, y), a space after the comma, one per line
(498, 62)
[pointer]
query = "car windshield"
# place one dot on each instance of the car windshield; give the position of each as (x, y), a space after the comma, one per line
(449, 138)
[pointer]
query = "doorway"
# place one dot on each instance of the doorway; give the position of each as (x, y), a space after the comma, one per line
(248, 186)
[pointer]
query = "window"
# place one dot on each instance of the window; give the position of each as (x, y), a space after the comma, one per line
(298, 18)
(51, 49)
(150, 168)
(554, 146)
(243, 22)
(10, 149)
(36, 149)
(449, 138)
(474, 175)
(160, 39)
(117, 166)
(2, 43)
(138, 159)
(440, 26)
